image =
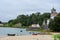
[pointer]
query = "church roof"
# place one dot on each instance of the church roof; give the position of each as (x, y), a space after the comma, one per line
(53, 9)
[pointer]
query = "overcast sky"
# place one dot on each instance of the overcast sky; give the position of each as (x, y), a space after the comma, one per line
(10, 9)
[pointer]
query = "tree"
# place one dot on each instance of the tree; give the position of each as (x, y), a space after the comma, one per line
(55, 24)
(24, 20)
(10, 21)
(46, 15)
(0, 22)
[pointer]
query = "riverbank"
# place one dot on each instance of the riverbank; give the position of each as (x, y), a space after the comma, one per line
(28, 37)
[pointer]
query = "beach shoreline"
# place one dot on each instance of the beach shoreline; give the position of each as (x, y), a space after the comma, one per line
(28, 37)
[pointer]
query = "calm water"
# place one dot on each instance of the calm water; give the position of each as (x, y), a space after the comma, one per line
(18, 31)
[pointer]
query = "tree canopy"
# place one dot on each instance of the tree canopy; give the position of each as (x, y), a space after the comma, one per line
(27, 20)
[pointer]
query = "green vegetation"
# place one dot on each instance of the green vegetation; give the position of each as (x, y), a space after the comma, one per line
(57, 37)
(27, 20)
(55, 24)
(3, 24)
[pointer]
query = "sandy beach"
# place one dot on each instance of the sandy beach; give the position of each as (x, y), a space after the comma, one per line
(28, 37)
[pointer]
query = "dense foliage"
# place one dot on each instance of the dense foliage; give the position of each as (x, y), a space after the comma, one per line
(27, 20)
(55, 24)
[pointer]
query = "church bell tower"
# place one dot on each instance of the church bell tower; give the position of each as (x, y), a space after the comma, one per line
(53, 13)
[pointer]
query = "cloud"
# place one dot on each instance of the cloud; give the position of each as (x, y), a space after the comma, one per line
(10, 9)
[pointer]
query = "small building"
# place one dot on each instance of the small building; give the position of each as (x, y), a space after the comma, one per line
(34, 26)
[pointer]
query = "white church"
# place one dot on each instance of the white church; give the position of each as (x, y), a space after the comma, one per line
(45, 25)
(53, 14)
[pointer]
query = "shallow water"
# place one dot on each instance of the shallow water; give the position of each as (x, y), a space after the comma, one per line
(18, 31)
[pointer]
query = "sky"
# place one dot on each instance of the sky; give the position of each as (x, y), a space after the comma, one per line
(10, 9)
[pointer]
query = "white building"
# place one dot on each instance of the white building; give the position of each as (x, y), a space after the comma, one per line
(35, 26)
(53, 14)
